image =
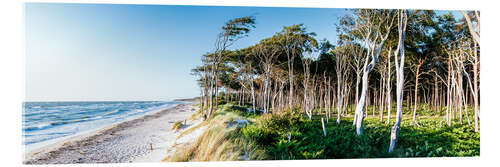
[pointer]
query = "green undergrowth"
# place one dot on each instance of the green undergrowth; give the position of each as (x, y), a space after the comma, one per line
(266, 137)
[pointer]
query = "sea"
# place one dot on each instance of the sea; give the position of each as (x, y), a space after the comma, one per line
(47, 122)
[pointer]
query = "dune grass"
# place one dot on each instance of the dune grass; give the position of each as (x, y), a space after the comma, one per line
(220, 142)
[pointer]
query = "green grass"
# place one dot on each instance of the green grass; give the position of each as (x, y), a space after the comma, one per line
(266, 138)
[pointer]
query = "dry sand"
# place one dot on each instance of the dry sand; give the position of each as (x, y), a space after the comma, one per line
(129, 141)
(169, 146)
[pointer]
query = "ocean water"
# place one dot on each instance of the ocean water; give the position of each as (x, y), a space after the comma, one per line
(48, 121)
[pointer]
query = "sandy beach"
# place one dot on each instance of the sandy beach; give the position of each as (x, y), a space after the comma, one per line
(149, 138)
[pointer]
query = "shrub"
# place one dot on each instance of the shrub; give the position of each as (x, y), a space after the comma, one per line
(280, 123)
(260, 135)
(177, 125)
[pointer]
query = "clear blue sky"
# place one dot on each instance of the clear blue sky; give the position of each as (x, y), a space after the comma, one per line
(137, 52)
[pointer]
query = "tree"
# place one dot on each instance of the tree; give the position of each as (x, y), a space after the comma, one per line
(400, 63)
(266, 51)
(310, 52)
(374, 26)
(341, 57)
(473, 28)
(420, 50)
(232, 31)
(474, 31)
(347, 32)
(292, 42)
(290, 71)
(389, 85)
(245, 62)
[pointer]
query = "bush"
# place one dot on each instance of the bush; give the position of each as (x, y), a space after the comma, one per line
(177, 125)
(280, 123)
(260, 135)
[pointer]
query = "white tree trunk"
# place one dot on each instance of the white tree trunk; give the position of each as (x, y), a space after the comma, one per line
(389, 98)
(358, 79)
(253, 96)
(399, 80)
(476, 92)
(360, 107)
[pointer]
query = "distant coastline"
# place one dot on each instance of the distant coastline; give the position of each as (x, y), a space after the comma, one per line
(194, 99)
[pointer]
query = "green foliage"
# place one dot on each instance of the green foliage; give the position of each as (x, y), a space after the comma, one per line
(423, 151)
(431, 139)
(177, 125)
(267, 137)
(280, 123)
(238, 27)
(245, 111)
(259, 135)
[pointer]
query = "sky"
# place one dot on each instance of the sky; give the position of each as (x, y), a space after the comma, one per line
(112, 52)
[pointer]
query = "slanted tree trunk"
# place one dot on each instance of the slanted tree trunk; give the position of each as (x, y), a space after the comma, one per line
(475, 32)
(466, 104)
(361, 106)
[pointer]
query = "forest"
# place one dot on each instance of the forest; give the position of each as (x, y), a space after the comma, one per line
(396, 83)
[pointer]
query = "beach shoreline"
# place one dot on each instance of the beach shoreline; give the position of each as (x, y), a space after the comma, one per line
(118, 143)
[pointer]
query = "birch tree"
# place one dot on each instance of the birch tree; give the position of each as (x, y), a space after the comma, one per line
(389, 85)
(309, 56)
(474, 29)
(399, 63)
(291, 47)
(267, 52)
(341, 65)
(374, 26)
